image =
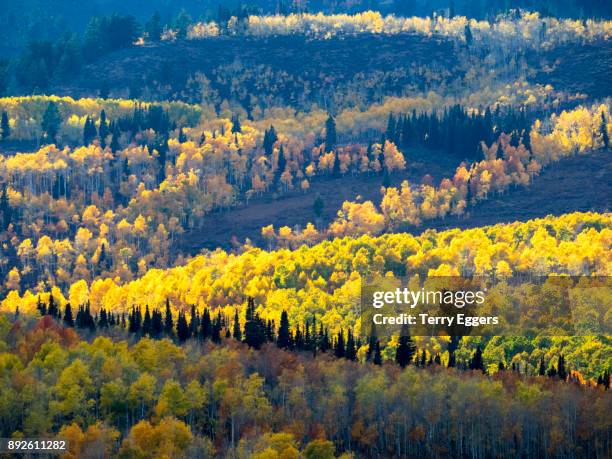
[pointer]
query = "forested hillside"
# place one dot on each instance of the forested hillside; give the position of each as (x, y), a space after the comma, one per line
(197, 197)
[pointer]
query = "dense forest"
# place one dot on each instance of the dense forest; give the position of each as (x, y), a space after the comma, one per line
(321, 142)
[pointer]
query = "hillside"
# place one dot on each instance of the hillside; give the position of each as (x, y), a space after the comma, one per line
(579, 183)
(296, 70)
(399, 63)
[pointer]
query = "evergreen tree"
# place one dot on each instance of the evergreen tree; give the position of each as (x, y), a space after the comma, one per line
(103, 129)
(135, 320)
(6, 212)
(51, 122)
(336, 169)
(89, 131)
(405, 349)
(237, 333)
(270, 139)
(331, 137)
(477, 363)
(351, 351)
(323, 339)
(157, 324)
(236, 124)
(561, 372)
(340, 350)
(182, 138)
(68, 319)
(542, 368)
(147, 322)
(283, 339)
(254, 328)
(216, 329)
(182, 329)
(194, 323)
(5, 127)
(89, 320)
(41, 307)
(270, 331)
(52, 310)
(377, 359)
(114, 145)
(281, 164)
(318, 206)
(603, 129)
(168, 323)
(468, 35)
(205, 326)
(298, 339)
(153, 27)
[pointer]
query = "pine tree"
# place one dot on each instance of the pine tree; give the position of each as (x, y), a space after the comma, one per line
(477, 363)
(254, 327)
(216, 329)
(114, 145)
(270, 331)
(5, 127)
(336, 169)
(103, 129)
(340, 349)
(351, 351)
(603, 129)
(323, 339)
(236, 128)
(68, 319)
(468, 35)
(237, 333)
(182, 329)
(135, 320)
(6, 212)
(281, 164)
(390, 132)
(89, 131)
(41, 307)
(52, 310)
(194, 323)
(377, 359)
(157, 324)
(318, 206)
(283, 339)
(405, 349)
(182, 138)
(147, 322)
(561, 372)
(153, 27)
(168, 323)
(331, 137)
(298, 339)
(51, 122)
(89, 320)
(270, 139)
(205, 326)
